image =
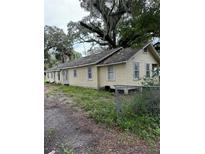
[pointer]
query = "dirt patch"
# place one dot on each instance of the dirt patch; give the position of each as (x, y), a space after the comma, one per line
(67, 127)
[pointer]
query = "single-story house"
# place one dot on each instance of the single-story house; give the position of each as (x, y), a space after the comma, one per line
(119, 66)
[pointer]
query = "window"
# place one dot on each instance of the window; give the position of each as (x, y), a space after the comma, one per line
(58, 75)
(136, 70)
(75, 73)
(147, 70)
(145, 51)
(89, 73)
(110, 73)
(51, 75)
(66, 74)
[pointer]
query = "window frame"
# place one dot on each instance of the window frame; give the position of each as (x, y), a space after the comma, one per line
(147, 69)
(74, 73)
(108, 73)
(66, 74)
(134, 71)
(145, 50)
(89, 72)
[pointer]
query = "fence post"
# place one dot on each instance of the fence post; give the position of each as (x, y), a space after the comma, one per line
(117, 102)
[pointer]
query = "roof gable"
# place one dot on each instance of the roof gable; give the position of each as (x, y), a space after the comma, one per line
(125, 54)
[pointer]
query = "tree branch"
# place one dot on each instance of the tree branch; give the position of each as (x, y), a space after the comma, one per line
(100, 33)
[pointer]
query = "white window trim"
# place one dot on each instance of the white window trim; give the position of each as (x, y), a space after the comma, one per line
(114, 74)
(75, 70)
(133, 71)
(91, 73)
(150, 70)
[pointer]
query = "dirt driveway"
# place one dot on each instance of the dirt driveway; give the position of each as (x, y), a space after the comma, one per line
(69, 130)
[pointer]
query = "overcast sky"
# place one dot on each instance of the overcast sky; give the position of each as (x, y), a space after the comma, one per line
(60, 12)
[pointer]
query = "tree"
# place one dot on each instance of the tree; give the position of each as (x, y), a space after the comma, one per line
(57, 41)
(143, 25)
(116, 23)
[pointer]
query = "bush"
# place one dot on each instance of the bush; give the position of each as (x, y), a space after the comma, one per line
(147, 103)
(141, 114)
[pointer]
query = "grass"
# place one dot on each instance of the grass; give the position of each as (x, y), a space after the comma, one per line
(66, 150)
(100, 105)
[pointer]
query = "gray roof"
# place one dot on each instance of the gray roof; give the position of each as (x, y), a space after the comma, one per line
(107, 57)
(88, 60)
(120, 56)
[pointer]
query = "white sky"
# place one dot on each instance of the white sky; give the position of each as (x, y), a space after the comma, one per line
(60, 12)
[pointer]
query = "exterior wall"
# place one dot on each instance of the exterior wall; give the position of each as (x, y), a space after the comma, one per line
(143, 59)
(50, 79)
(56, 78)
(82, 77)
(47, 79)
(62, 78)
(119, 79)
(124, 72)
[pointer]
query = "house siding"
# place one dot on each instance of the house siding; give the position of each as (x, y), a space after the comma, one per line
(119, 79)
(82, 77)
(143, 59)
(124, 72)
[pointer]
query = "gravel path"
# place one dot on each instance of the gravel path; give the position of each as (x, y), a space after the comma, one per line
(68, 128)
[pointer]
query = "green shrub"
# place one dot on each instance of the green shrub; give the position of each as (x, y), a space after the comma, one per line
(140, 112)
(147, 103)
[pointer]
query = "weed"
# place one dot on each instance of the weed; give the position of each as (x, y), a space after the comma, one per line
(137, 114)
(66, 150)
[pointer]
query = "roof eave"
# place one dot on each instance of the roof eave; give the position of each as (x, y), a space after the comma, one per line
(122, 62)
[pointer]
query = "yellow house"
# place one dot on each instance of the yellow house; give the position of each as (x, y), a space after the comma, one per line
(120, 66)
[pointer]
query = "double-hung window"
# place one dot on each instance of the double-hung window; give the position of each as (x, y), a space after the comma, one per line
(75, 73)
(66, 74)
(111, 75)
(90, 73)
(147, 70)
(136, 73)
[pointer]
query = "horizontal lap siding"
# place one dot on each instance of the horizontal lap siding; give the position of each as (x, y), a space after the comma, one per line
(124, 72)
(120, 75)
(82, 77)
(143, 59)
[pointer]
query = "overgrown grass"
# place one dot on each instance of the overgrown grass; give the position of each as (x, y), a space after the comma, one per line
(136, 113)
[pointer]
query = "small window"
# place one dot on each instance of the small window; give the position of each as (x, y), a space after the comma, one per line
(110, 73)
(89, 73)
(145, 51)
(136, 70)
(148, 70)
(75, 73)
